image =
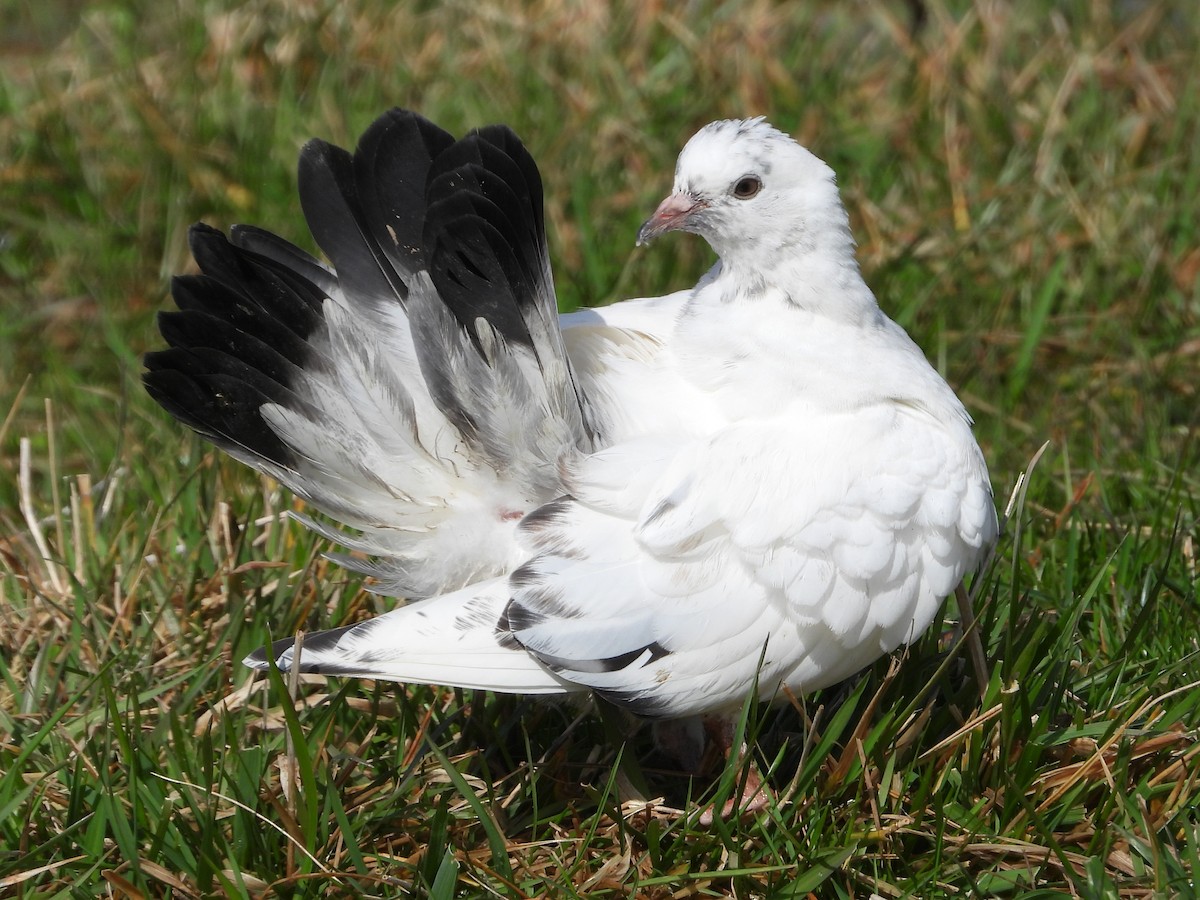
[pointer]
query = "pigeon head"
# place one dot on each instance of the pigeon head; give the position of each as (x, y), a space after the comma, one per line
(755, 195)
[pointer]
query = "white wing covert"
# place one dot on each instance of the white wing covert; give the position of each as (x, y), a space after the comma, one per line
(757, 553)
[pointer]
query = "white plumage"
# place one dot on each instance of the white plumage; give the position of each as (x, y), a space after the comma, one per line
(760, 480)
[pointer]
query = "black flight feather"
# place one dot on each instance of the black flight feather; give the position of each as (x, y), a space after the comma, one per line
(427, 236)
(285, 254)
(329, 198)
(391, 166)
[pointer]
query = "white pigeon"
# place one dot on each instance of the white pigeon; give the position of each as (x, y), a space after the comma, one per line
(758, 483)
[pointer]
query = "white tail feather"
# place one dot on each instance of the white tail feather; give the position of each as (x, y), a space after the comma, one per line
(450, 640)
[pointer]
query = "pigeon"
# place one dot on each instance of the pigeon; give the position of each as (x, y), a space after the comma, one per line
(755, 485)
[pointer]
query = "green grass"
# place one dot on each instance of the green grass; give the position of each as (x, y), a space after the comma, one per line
(1024, 188)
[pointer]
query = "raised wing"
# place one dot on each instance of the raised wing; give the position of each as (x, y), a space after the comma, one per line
(419, 390)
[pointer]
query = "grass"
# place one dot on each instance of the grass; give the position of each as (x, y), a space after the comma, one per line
(1024, 189)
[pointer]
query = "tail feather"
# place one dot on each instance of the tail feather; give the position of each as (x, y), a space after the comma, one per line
(418, 391)
(392, 166)
(288, 256)
(329, 198)
(451, 640)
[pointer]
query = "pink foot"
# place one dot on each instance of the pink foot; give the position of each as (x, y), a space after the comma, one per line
(755, 794)
(754, 797)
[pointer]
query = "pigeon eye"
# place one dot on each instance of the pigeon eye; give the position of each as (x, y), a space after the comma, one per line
(747, 187)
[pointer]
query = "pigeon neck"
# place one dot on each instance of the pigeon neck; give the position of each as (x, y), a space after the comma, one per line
(813, 266)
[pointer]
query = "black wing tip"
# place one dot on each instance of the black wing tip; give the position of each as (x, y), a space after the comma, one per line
(201, 231)
(259, 659)
(318, 151)
(239, 339)
(484, 233)
(223, 406)
(432, 135)
(317, 643)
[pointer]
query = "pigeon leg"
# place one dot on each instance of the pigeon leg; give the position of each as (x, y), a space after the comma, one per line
(974, 642)
(755, 794)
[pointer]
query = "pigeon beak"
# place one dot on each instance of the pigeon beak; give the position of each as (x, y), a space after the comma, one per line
(672, 214)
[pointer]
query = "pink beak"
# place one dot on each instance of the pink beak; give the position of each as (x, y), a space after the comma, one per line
(672, 215)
